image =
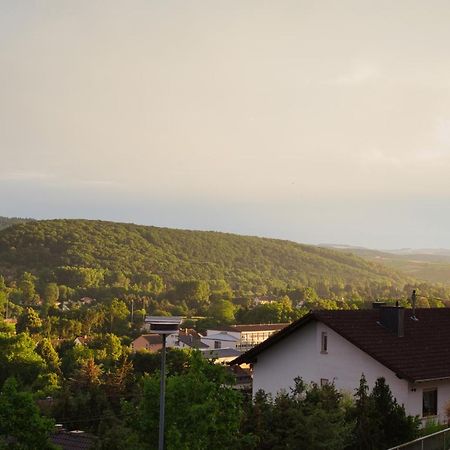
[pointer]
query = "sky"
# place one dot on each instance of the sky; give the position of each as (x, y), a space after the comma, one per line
(310, 120)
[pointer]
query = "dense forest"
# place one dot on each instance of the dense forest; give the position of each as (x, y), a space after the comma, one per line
(8, 221)
(56, 248)
(224, 277)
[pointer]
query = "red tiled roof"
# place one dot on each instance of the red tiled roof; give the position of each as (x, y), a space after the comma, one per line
(152, 338)
(423, 353)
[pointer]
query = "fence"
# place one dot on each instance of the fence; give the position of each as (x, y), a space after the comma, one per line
(436, 441)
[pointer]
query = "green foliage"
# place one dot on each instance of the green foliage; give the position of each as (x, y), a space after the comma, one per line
(51, 294)
(27, 289)
(29, 321)
(431, 426)
(85, 254)
(7, 328)
(366, 427)
(6, 222)
(4, 296)
(202, 410)
(21, 425)
(108, 348)
(309, 417)
(19, 359)
(118, 313)
(195, 293)
(222, 311)
(177, 361)
(83, 277)
(46, 351)
(274, 312)
(380, 422)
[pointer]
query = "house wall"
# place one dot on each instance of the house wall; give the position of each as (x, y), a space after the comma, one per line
(139, 343)
(300, 355)
(414, 405)
(210, 342)
(245, 339)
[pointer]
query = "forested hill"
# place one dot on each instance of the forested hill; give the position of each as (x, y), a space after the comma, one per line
(8, 221)
(248, 264)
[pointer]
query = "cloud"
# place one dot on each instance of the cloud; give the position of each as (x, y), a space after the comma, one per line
(442, 131)
(25, 175)
(360, 74)
(376, 157)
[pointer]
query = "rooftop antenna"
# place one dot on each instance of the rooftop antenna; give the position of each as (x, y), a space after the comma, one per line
(413, 302)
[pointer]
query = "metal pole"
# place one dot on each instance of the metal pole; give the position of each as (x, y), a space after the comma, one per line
(132, 310)
(162, 394)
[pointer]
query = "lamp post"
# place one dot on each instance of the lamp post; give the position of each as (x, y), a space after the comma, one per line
(163, 326)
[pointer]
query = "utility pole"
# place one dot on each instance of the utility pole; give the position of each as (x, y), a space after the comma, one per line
(132, 311)
(163, 326)
(162, 394)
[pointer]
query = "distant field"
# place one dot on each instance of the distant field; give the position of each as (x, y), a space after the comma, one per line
(431, 267)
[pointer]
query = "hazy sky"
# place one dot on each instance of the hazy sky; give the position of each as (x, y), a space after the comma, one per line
(316, 121)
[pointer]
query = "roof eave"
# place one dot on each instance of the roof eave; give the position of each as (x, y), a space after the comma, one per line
(425, 380)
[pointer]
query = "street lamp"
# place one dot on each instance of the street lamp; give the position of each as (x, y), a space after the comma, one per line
(163, 326)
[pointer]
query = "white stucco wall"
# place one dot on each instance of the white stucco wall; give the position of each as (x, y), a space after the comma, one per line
(414, 405)
(300, 355)
(225, 343)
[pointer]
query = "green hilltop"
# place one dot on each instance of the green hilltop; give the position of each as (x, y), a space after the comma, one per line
(8, 221)
(250, 264)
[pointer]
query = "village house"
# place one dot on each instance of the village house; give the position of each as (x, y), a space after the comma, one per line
(240, 337)
(149, 342)
(411, 350)
(185, 338)
(81, 340)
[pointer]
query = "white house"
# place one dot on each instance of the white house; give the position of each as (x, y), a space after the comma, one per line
(411, 352)
(219, 339)
(241, 337)
(185, 338)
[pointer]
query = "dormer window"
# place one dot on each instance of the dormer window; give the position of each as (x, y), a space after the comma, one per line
(324, 343)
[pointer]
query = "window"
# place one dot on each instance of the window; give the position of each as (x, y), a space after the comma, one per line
(429, 403)
(324, 346)
(217, 344)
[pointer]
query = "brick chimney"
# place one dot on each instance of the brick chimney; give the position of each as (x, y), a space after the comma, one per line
(393, 319)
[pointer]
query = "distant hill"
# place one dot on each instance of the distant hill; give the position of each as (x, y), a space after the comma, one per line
(245, 262)
(8, 221)
(431, 265)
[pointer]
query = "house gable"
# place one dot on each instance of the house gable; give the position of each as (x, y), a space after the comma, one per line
(301, 355)
(421, 354)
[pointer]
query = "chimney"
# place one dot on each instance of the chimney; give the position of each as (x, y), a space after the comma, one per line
(413, 301)
(393, 318)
